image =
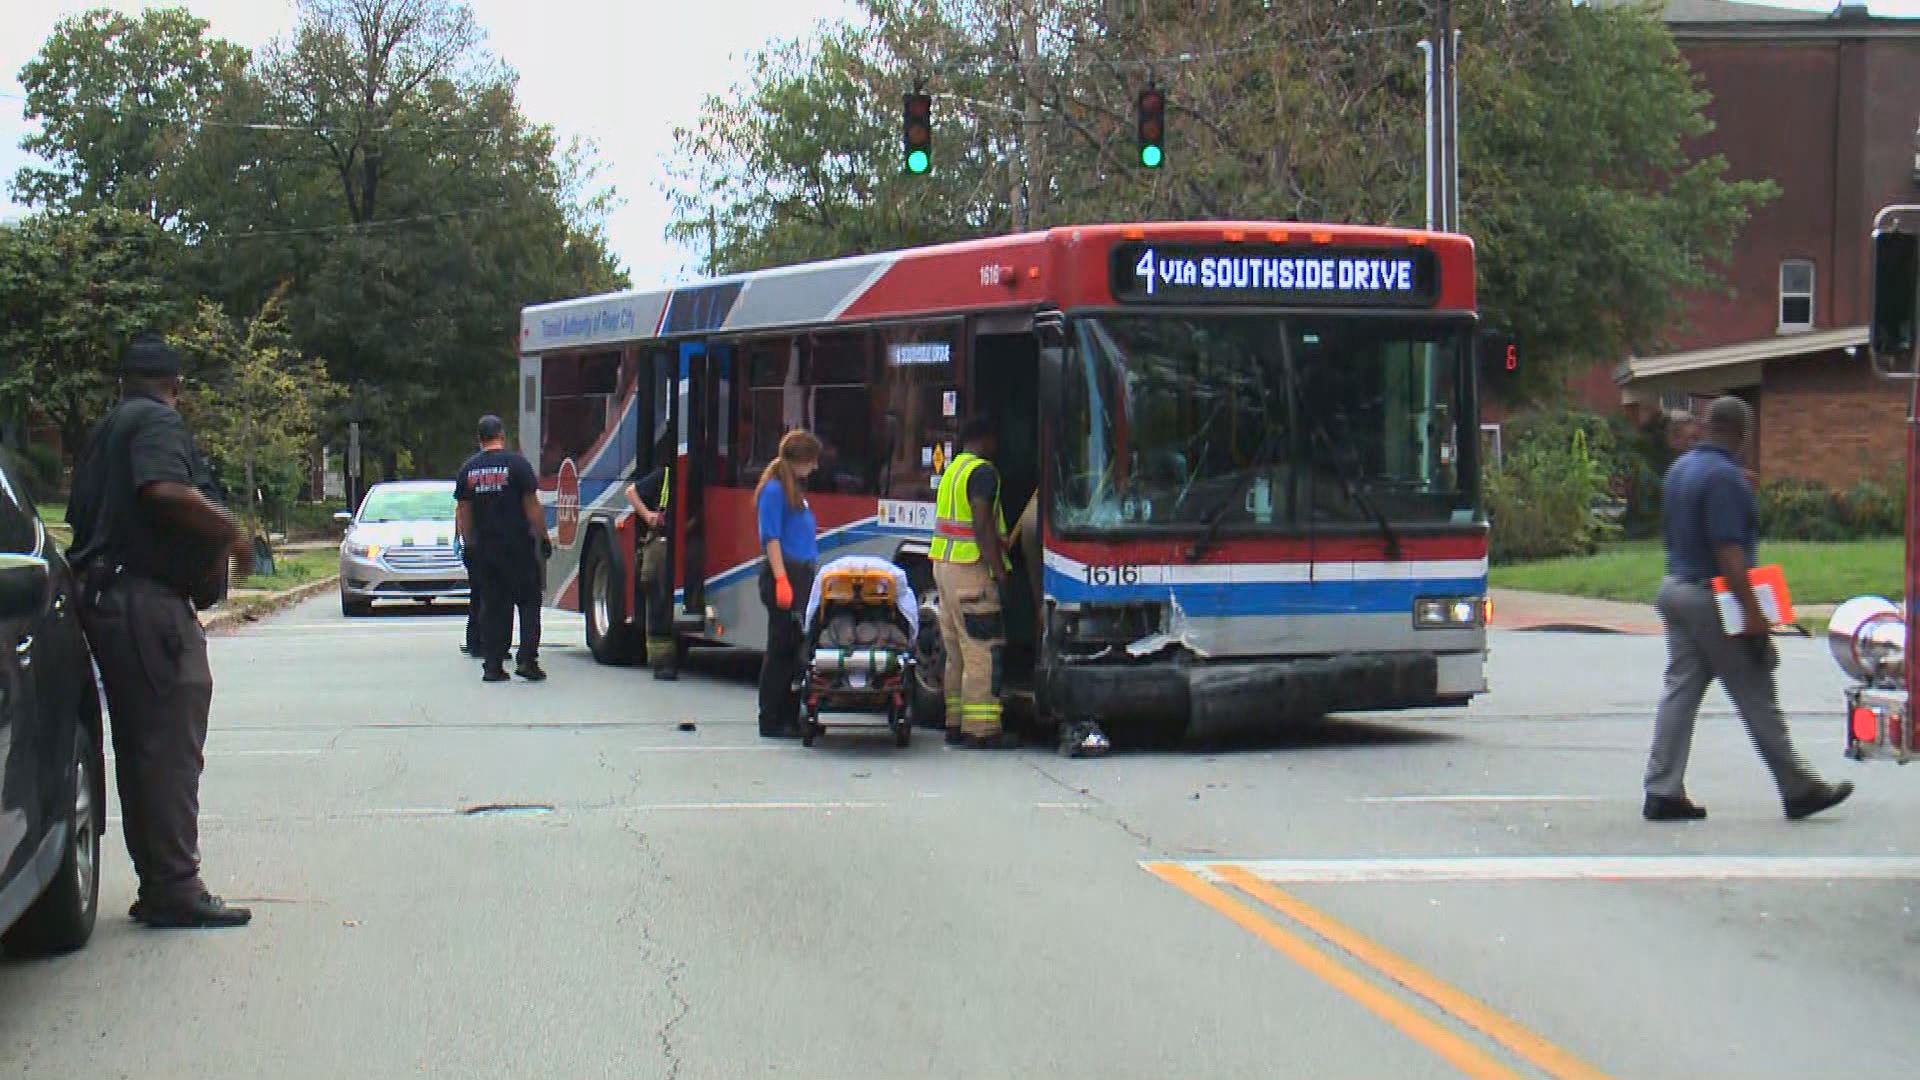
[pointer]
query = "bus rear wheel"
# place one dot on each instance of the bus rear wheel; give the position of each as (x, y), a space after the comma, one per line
(603, 600)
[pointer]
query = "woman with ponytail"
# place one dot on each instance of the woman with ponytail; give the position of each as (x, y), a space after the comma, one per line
(787, 537)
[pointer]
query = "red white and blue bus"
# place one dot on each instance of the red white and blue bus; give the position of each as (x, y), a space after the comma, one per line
(1250, 452)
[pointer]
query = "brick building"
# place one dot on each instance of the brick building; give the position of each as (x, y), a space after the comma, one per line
(1826, 106)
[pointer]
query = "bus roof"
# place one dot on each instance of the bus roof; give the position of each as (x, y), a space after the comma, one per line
(1066, 267)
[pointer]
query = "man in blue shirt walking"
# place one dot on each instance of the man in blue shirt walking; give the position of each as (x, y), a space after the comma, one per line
(1712, 529)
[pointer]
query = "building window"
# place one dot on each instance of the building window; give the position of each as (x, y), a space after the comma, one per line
(1796, 295)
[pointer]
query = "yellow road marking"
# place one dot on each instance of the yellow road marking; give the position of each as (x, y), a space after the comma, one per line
(1530, 1047)
(1416, 1025)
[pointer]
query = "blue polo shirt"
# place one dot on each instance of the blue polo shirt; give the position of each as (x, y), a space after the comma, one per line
(793, 528)
(1706, 503)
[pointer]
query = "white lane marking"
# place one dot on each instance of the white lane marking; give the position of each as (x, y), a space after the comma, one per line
(705, 749)
(654, 808)
(260, 753)
(1575, 868)
(1480, 799)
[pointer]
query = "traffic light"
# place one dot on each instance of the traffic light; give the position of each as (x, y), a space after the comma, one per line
(1152, 126)
(916, 131)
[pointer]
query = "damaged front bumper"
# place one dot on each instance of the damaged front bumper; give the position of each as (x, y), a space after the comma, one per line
(1216, 697)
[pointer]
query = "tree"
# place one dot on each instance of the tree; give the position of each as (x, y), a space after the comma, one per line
(1592, 219)
(116, 97)
(74, 289)
(417, 209)
(254, 400)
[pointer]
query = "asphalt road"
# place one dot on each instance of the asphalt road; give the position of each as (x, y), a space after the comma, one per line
(1406, 897)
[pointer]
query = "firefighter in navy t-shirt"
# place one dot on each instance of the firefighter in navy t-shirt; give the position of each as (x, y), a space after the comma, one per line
(504, 530)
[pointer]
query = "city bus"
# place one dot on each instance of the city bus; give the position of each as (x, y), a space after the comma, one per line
(1247, 454)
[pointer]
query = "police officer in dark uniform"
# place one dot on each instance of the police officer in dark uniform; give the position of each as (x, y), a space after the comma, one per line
(150, 547)
(504, 530)
(649, 496)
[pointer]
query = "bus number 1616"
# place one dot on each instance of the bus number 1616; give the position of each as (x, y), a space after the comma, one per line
(1113, 575)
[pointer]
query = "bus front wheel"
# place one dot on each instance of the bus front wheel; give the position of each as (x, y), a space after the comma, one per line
(929, 704)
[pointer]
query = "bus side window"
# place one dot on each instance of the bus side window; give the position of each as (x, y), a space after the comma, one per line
(916, 374)
(768, 394)
(838, 371)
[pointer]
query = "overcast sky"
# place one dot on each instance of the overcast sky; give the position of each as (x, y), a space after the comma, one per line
(620, 72)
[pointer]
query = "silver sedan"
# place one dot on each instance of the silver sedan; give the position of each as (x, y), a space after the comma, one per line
(400, 547)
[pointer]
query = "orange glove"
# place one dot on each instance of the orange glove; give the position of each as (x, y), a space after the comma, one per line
(783, 593)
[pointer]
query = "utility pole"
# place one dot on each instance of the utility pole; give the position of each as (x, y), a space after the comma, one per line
(1032, 137)
(1443, 133)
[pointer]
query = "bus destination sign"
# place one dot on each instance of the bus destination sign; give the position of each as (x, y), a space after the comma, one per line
(1257, 274)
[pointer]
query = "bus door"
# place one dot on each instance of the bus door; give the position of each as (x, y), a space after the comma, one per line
(1004, 385)
(706, 370)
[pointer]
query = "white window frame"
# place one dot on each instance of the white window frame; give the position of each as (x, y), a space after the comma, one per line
(1780, 312)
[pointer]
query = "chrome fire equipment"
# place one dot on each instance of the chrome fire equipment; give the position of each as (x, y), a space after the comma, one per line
(1868, 638)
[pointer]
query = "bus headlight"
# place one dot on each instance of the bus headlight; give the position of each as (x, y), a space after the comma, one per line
(1447, 612)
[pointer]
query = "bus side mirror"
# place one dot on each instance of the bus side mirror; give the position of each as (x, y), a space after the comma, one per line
(1896, 301)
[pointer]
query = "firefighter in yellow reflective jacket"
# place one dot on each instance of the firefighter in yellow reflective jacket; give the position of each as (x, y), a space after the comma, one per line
(970, 567)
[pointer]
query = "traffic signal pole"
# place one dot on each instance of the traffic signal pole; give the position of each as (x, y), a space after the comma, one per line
(1443, 132)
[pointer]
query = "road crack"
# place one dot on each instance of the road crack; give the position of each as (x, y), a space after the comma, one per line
(656, 953)
(1112, 816)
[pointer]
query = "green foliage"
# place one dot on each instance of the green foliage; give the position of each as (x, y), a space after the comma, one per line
(376, 159)
(255, 402)
(74, 288)
(1542, 500)
(1634, 459)
(113, 96)
(1805, 510)
(1592, 222)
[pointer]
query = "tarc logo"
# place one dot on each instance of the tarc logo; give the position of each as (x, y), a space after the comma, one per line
(566, 504)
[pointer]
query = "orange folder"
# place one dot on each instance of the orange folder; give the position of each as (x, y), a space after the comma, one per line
(1769, 587)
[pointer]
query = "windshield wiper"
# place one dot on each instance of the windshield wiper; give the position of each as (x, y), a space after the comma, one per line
(1318, 431)
(1261, 460)
(1361, 499)
(1205, 541)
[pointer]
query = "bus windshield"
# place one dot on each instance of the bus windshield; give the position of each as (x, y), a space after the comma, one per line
(1263, 422)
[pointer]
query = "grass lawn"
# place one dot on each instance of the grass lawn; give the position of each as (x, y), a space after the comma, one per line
(294, 569)
(1817, 572)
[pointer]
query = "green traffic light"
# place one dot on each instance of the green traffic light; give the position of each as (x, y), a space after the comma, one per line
(1150, 156)
(917, 162)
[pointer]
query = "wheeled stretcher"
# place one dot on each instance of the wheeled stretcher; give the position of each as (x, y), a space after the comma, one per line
(857, 649)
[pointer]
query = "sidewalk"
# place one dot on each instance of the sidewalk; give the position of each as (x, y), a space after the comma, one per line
(243, 606)
(1514, 609)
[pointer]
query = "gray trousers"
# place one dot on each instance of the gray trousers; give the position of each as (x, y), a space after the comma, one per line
(1699, 650)
(152, 655)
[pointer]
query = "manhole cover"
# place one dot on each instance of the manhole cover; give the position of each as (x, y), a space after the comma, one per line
(507, 808)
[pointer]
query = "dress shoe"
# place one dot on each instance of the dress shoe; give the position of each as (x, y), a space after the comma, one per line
(1823, 797)
(205, 912)
(495, 673)
(530, 670)
(1666, 808)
